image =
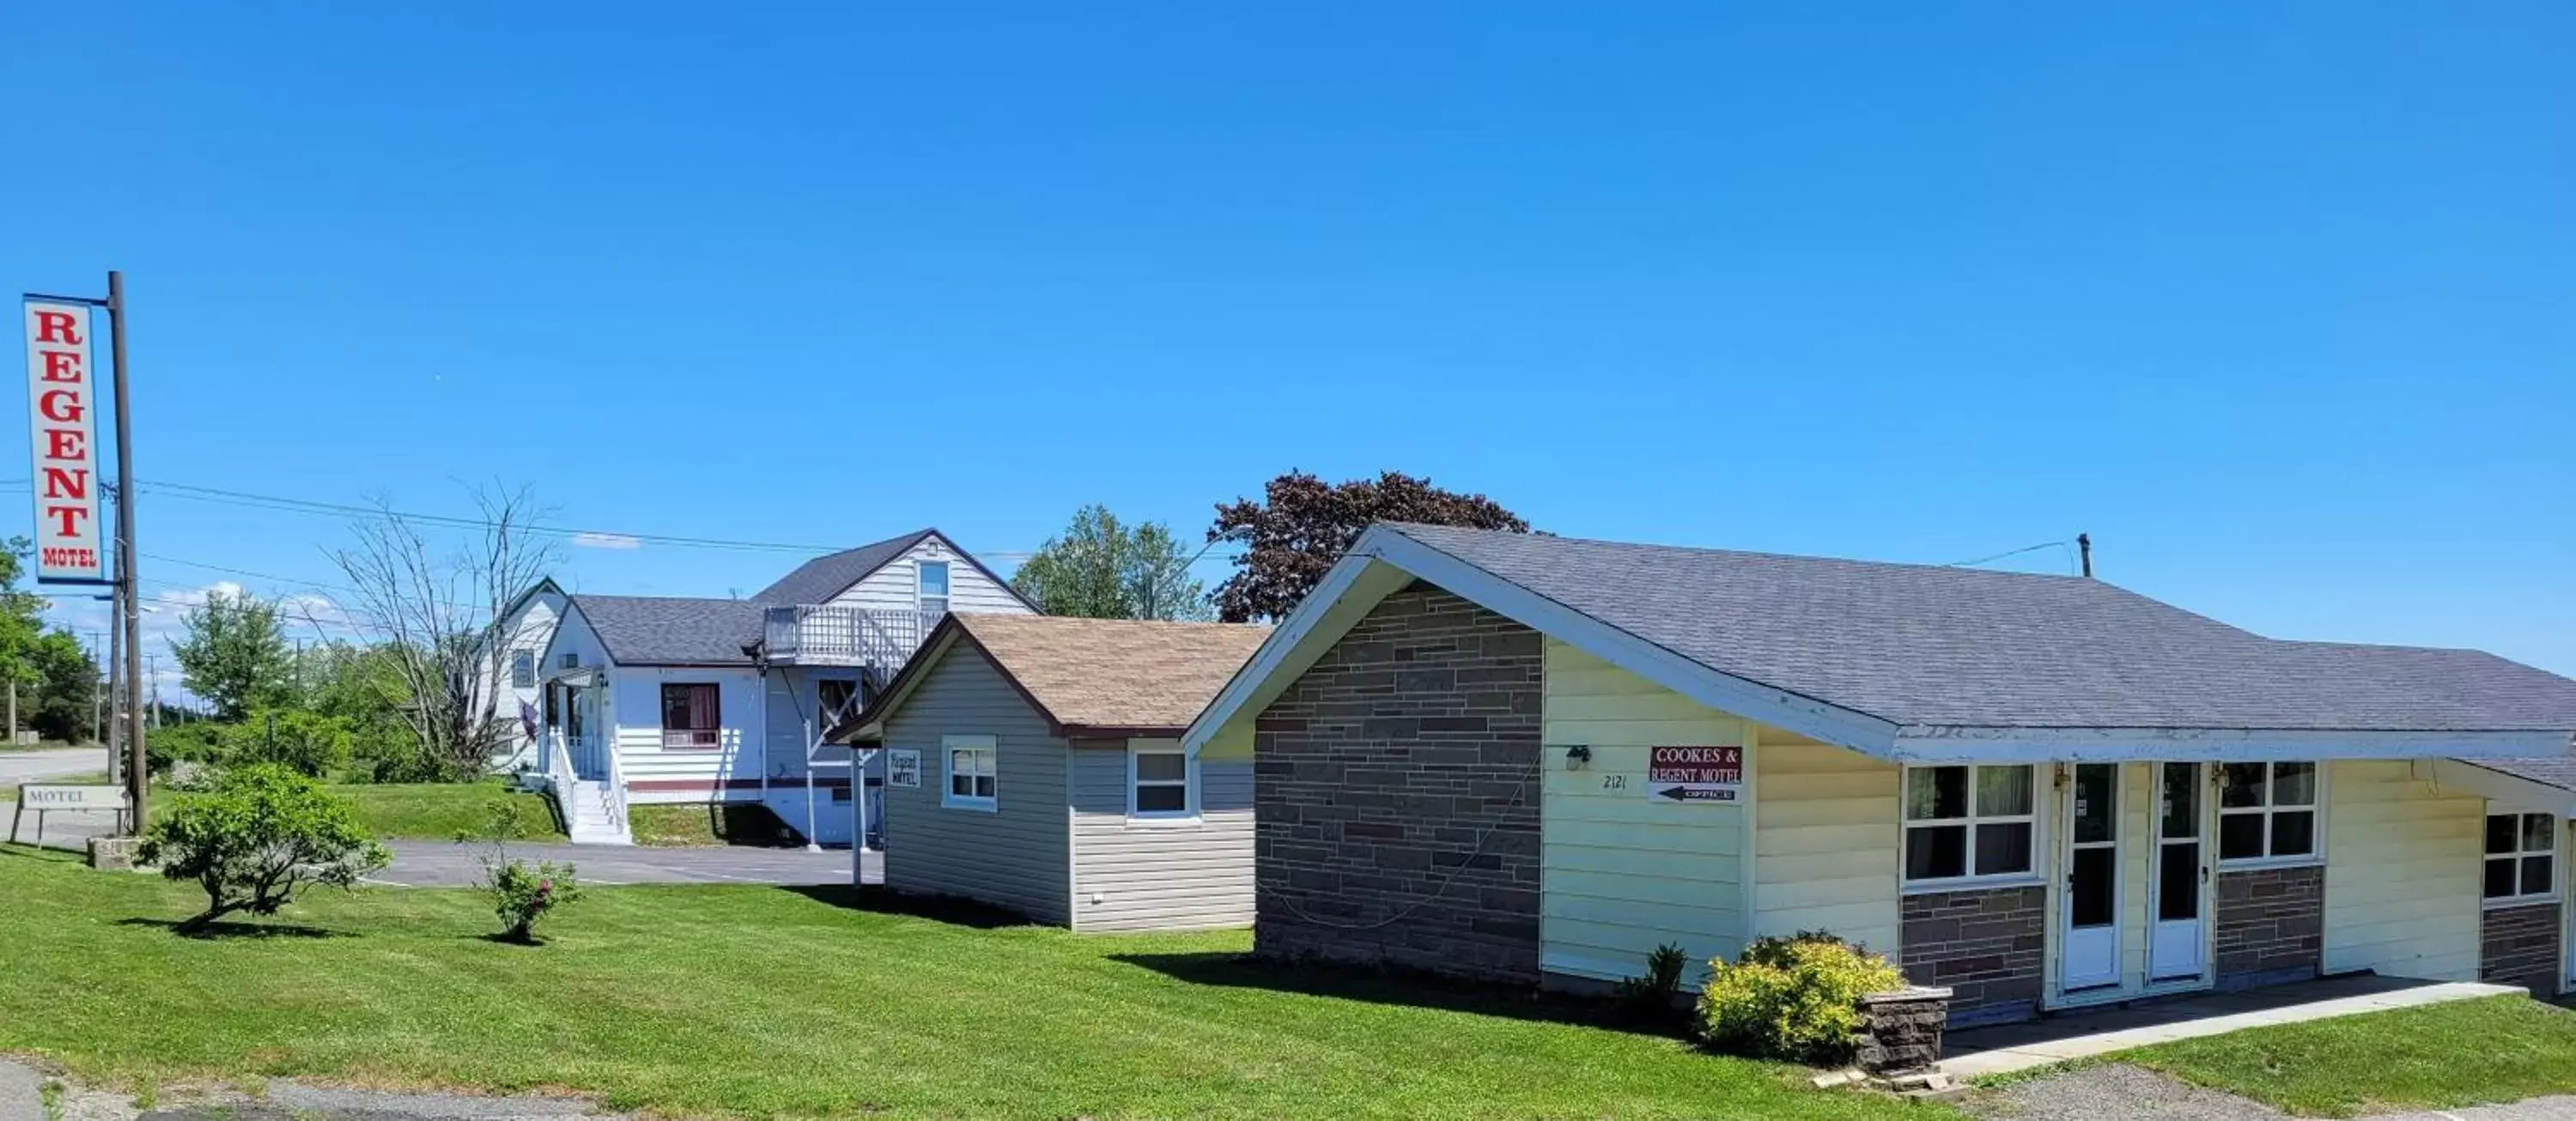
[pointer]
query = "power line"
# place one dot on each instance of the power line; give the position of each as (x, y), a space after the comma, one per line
(2066, 546)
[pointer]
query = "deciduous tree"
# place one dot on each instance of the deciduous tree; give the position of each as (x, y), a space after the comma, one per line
(262, 835)
(1102, 568)
(235, 654)
(1303, 524)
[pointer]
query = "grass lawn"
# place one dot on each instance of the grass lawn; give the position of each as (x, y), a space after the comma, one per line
(764, 1001)
(686, 825)
(2441, 1056)
(440, 811)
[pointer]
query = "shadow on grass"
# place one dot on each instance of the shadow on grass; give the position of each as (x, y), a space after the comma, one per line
(937, 908)
(230, 930)
(1399, 987)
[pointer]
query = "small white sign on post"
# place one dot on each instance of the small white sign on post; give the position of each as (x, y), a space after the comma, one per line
(903, 768)
(65, 799)
(62, 410)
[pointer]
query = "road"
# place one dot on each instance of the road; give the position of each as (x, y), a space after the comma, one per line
(58, 763)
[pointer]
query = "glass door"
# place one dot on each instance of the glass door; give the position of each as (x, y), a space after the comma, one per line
(2177, 945)
(2089, 952)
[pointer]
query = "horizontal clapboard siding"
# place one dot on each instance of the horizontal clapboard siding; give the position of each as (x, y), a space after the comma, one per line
(2402, 873)
(1159, 875)
(1825, 843)
(1015, 856)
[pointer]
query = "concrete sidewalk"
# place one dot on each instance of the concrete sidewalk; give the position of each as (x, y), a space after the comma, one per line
(1979, 1052)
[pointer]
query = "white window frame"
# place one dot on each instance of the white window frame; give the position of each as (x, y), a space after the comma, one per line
(1189, 784)
(948, 580)
(523, 657)
(1970, 880)
(949, 798)
(2518, 855)
(2315, 808)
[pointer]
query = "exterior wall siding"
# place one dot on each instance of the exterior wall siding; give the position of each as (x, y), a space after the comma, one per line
(895, 587)
(1986, 945)
(1825, 843)
(2269, 926)
(2519, 946)
(1016, 856)
(2402, 873)
(1624, 872)
(1396, 819)
(1146, 874)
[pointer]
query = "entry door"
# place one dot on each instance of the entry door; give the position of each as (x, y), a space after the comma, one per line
(2179, 939)
(2089, 953)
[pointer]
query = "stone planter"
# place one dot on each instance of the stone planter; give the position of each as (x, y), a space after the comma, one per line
(115, 854)
(1901, 1030)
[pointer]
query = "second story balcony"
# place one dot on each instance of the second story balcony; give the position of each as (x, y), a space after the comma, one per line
(825, 635)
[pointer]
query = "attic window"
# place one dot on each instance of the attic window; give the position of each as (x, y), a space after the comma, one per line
(933, 586)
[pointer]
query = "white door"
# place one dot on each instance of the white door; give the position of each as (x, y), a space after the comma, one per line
(2179, 936)
(2089, 950)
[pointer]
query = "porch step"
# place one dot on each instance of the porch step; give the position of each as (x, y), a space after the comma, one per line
(586, 818)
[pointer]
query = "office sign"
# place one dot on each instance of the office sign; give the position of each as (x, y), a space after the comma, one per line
(1695, 774)
(62, 407)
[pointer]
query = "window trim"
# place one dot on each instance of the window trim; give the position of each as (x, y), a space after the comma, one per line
(2037, 819)
(2557, 873)
(2315, 808)
(715, 735)
(1188, 814)
(949, 799)
(948, 583)
(527, 658)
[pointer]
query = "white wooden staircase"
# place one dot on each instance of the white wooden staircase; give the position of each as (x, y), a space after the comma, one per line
(590, 814)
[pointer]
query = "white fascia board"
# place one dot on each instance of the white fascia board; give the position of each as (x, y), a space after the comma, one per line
(2513, 791)
(1956, 744)
(1735, 696)
(1348, 590)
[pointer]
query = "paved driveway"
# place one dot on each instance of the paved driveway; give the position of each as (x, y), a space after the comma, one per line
(41, 766)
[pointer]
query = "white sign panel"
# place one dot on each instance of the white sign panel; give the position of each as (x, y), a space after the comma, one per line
(71, 797)
(62, 407)
(1713, 773)
(903, 768)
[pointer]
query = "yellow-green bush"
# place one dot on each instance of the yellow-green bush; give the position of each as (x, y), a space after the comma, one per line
(1792, 999)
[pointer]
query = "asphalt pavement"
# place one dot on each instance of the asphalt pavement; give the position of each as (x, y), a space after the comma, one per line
(51, 764)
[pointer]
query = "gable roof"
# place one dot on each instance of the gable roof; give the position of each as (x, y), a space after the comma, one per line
(2558, 771)
(1915, 661)
(820, 579)
(672, 630)
(1089, 676)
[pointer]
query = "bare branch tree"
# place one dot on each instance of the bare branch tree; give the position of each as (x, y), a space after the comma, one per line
(437, 604)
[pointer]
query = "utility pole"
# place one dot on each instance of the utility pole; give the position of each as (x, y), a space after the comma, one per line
(109, 729)
(155, 661)
(136, 772)
(98, 697)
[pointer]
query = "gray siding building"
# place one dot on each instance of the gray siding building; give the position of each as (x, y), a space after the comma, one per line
(1035, 763)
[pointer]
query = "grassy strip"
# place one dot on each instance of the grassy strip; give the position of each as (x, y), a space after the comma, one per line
(766, 1001)
(441, 811)
(688, 825)
(2440, 1056)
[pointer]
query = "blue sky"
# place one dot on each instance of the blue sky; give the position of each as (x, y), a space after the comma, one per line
(2277, 301)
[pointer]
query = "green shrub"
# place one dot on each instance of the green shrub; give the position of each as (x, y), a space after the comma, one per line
(522, 894)
(305, 742)
(1651, 996)
(197, 742)
(1793, 999)
(259, 836)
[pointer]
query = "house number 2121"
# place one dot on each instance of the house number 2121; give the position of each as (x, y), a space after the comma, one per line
(1614, 782)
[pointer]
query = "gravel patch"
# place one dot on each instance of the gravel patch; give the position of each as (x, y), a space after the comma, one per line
(2098, 1093)
(21, 1099)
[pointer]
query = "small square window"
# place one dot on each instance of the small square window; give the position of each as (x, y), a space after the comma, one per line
(1969, 822)
(973, 772)
(1161, 782)
(2522, 858)
(2267, 811)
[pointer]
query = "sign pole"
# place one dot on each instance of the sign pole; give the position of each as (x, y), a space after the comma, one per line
(137, 774)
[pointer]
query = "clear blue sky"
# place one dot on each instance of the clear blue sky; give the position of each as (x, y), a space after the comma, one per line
(2276, 300)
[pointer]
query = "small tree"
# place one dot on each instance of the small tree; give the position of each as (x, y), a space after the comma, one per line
(67, 690)
(521, 893)
(235, 654)
(260, 836)
(1306, 524)
(1102, 568)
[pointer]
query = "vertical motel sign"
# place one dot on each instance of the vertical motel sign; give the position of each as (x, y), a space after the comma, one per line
(62, 409)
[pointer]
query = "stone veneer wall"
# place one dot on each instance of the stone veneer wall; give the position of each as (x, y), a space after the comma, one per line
(2519, 946)
(2269, 926)
(1396, 795)
(1985, 946)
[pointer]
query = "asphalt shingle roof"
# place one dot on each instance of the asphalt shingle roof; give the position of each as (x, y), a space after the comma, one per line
(818, 580)
(2559, 771)
(1923, 645)
(1115, 673)
(673, 630)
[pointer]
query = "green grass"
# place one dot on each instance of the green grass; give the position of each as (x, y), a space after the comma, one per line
(686, 825)
(440, 811)
(2441, 1056)
(766, 1001)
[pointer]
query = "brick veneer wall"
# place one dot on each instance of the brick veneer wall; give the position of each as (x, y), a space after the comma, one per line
(1396, 800)
(2269, 926)
(1986, 946)
(2519, 946)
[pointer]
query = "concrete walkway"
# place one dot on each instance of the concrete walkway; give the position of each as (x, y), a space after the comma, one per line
(2077, 1035)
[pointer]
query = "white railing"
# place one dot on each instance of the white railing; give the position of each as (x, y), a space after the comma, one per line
(560, 775)
(815, 634)
(613, 798)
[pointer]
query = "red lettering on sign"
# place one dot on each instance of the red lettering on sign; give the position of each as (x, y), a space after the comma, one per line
(62, 365)
(60, 404)
(67, 482)
(70, 515)
(65, 443)
(58, 326)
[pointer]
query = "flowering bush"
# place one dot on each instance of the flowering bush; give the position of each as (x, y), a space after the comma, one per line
(1793, 998)
(522, 894)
